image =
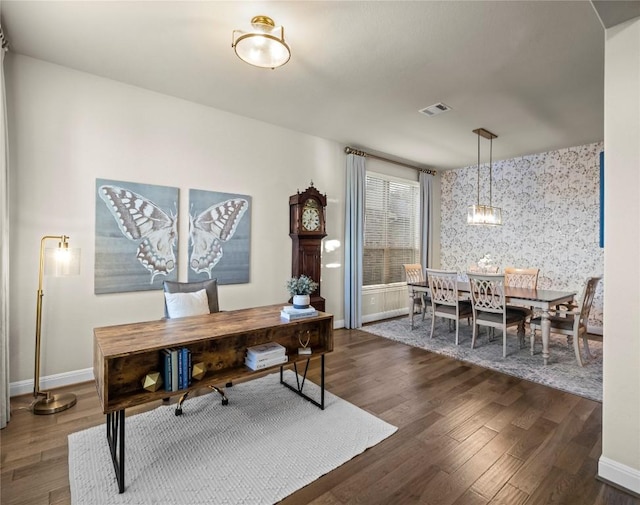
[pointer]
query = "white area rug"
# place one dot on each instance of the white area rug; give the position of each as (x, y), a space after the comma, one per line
(562, 372)
(266, 444)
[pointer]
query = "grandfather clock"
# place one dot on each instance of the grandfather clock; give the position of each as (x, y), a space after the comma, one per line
(307, 229)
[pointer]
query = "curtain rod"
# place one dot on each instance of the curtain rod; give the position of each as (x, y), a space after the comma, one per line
(351, 150)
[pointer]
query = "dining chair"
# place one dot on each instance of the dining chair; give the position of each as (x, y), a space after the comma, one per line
(573, 322)
(490, 308)
(521, 278)
(414, 272)
(445, 298)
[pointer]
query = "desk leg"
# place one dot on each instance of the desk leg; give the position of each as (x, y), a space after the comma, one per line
(300, 383)
(546, 330)
(115, 437)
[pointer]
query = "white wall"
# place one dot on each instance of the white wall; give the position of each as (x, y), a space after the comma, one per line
(68, 128)
(620, 460)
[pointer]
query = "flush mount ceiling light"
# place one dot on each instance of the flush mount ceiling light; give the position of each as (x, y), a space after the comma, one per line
(264, 47)
(484, 214)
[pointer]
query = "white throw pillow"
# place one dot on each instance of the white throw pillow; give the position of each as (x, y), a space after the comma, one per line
(187, 304)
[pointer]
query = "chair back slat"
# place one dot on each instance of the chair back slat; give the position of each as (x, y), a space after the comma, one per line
(587, 299)
(443, 285)
(521, 277)
(487, 292)
(413, 272)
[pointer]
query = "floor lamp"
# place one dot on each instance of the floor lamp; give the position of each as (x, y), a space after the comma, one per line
(66, 263)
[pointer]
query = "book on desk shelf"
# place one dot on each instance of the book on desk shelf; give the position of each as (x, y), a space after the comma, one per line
(176, 368)
(187, 366)
(166, 369)
(259, 365)
(266, 351)
(180, 368)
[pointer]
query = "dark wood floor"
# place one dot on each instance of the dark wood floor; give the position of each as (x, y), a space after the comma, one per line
(467, 436)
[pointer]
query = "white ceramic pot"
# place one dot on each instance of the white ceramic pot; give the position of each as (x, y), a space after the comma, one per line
(301, 301)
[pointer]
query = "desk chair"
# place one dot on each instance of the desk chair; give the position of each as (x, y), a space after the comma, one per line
(415, 273)
(190, 308)
(445, 298)
(572, 323)
(490, 308)
(191, 305)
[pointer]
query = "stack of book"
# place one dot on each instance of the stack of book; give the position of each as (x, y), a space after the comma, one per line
(265, 355)
(176, 368)
(290, 313)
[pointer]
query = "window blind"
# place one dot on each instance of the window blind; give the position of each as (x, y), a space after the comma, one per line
(392, 228)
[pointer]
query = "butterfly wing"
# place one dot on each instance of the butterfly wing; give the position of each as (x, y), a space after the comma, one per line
(209, 229)
(140, 218)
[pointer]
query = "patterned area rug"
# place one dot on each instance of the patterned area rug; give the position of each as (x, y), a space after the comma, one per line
(266, 444)
(562, 372)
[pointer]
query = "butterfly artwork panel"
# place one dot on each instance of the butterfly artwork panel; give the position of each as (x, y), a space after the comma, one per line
(136, 236)
(219, 237)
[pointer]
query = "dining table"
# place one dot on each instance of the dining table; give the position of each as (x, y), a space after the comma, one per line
(543, 299)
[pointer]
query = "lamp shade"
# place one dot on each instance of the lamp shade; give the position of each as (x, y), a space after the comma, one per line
(61, 262)
(264, 47)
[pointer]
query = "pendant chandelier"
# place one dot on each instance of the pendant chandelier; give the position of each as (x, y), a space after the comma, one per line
(484, 214)
(264, 47)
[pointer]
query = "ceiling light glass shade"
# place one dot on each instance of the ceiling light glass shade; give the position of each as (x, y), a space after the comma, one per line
(484, 214)
(265, 47)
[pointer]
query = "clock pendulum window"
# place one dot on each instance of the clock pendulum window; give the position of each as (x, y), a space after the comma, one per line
(307, 229)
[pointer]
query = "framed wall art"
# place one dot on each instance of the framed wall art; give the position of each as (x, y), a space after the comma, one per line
(136, 236)
(219, 236)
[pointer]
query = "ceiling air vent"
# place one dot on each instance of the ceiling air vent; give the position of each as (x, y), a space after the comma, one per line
(435, 109)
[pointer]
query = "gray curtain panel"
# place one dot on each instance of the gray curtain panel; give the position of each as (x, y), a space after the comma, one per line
(426, 218)
(354, 240)
(5, 409)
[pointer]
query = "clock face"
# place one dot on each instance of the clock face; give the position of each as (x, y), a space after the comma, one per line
(310, 219)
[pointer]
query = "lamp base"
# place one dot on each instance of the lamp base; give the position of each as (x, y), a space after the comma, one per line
(52, 404)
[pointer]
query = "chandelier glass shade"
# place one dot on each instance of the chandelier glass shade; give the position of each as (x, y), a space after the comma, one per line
(264, 47)
(484, 214)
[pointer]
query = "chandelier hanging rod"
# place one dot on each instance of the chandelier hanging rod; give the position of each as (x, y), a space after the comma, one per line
(351, 150)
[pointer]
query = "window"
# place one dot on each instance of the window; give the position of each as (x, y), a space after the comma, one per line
(392, 228)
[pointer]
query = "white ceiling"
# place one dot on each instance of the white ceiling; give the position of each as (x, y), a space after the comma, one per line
(532, 72)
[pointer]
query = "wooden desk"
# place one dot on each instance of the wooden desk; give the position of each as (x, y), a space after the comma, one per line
(542, 299)
(124, 354)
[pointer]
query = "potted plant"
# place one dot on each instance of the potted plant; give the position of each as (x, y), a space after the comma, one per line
(300, 288)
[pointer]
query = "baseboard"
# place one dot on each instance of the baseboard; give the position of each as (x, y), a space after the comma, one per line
(386, 315)
(619, 475)
(52, 381)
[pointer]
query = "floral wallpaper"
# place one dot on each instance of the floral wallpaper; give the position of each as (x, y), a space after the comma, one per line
(550, 213)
